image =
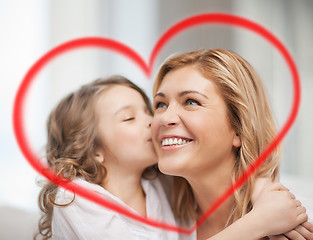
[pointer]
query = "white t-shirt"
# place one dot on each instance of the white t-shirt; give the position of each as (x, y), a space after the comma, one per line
(83, 219)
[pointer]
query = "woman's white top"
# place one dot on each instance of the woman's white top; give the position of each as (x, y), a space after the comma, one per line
(83, 219)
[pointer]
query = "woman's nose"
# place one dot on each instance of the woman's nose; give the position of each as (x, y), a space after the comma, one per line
(169, 117)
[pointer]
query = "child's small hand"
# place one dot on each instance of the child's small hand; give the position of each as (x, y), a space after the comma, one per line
(277, 210)
(303, 231)
(262, 184)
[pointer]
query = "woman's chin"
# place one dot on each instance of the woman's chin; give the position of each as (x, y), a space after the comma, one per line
(171, 168)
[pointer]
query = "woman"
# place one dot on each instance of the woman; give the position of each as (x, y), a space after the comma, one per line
(211, 120)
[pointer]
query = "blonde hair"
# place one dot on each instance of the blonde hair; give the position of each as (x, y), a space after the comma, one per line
(72, 141)
(249, 114)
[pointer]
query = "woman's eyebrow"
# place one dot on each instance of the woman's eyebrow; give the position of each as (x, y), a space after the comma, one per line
(180, 94)
(159, 94)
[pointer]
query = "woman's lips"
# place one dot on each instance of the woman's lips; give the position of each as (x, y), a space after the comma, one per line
(174, 142)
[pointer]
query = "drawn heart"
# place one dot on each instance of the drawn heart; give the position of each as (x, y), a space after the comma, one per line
(109, 44)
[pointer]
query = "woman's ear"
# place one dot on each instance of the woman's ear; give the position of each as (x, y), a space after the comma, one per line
(236, 140)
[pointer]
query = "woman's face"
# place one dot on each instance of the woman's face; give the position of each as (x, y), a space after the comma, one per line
(125, 128)
(191, 131)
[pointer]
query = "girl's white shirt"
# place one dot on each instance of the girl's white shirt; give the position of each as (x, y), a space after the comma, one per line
(83, 219)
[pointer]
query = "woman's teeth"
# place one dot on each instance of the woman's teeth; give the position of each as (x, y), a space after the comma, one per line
(174, 141)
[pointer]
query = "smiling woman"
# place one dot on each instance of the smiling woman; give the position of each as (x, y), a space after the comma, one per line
(212, 119)
(205, 118)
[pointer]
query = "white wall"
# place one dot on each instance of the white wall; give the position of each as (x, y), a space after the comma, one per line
(24, 37)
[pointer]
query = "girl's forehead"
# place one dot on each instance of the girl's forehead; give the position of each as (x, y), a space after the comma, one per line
(119, 96)
(119, 92)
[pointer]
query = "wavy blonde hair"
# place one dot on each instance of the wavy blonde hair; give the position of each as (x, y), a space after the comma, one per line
(72, 140)
(249, 114)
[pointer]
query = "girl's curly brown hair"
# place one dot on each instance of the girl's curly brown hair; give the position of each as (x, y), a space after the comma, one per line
(72, 141)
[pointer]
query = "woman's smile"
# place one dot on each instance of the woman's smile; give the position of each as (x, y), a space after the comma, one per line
(190, 129)
(170, 143)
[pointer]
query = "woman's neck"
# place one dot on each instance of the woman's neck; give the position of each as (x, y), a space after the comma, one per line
(127, 187)
(207, 188)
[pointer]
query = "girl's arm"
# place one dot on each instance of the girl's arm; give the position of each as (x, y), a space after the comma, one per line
(303, 231)
(276, 211)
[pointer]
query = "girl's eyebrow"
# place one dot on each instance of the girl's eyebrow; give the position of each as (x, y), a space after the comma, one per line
(122, 108)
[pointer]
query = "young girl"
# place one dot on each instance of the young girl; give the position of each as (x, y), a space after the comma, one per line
(99, 137)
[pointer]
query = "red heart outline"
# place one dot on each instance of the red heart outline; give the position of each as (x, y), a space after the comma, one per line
(109, 44)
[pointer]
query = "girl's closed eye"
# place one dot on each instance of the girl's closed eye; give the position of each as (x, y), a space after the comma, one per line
(128, 119)
(192, 102)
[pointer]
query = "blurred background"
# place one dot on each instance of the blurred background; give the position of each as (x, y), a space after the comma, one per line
(30, 28)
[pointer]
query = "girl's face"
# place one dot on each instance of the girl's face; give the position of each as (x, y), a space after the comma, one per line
(191, 131)
(125, 128)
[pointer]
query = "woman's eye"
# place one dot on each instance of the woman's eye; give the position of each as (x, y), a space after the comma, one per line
(160, 105)
(191, 102)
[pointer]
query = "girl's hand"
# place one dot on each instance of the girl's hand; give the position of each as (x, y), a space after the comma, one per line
(260, 185)
(301, 232)
(277, 210)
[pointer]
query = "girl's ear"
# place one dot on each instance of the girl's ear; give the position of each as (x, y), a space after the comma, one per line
(236, 140)
(99, 155)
